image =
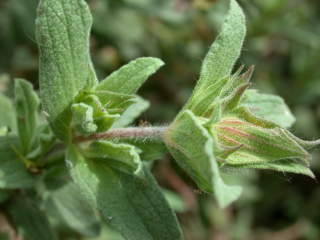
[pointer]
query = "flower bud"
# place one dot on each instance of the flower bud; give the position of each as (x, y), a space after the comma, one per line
(243, 142)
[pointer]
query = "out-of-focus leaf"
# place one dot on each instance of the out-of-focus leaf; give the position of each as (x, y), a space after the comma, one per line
(13, 173)
(7, 116)
(269, 107)
(30, 221)
(62, 31)
(175, 201)
(27, 106)
(223, 53)
(130, 77)
(4, 195)
(132, 205)
(70, 205)
(192, 147)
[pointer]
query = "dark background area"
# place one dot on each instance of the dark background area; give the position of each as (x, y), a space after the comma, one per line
(283, 42)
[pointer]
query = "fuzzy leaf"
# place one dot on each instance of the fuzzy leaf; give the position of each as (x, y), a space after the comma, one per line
(69, 204)
(101, 116)
(132, 112)
(13, 173)
(62, 30)
(132, 205)
(269, 107)
(284, 166)
(82, 117)
(130, 77)
(27, 106)
(192, 147)
(30, 221)
(7, 116)
(120, 155)
(150, 150)
(223, 53)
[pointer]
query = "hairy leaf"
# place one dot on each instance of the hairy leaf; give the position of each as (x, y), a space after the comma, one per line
(27, 106)
(283, 166)
(192, 147)
(120, 155)
(31, 222)
(269, 107)
(69, 204)
(82, 117)
(130, 77)
(62, 30)
(7, 116)
(132, 112)
(223, 53)
(132, 205)
(13, 173)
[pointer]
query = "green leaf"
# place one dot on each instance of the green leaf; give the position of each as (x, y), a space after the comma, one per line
(30, 221)
(130, 77)
(101, 115)
(223, 53)
(132, 205)
(69, 204)
(132, 112)
(13, 173)
(7, 116)
(82, 117)
(27, 106)
(62, 31)
(122, 155)
(269, 107)
(192, 147)
(175, 201)
(287, 165)
(150, 149)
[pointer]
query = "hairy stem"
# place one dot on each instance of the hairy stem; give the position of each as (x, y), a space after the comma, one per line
(126, 133)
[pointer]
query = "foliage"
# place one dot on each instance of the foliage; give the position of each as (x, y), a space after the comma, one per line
(77, 169)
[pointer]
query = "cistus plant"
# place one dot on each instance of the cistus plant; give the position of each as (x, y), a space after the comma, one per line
(78, 162)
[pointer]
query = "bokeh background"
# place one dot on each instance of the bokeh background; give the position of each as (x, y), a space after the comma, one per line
(283, 42)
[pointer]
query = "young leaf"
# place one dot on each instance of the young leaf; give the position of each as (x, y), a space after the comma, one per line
(223, 53)
(31, 222)
(13, 173)
(132, 205)
(192, 147)
(69, 204)
(269, 107)
(132, 113)
(130, 77)
(82, 117)
(7, 116)
(27, 106)
(62, 30)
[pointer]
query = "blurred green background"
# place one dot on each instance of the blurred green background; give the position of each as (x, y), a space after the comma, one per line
(283, 42)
